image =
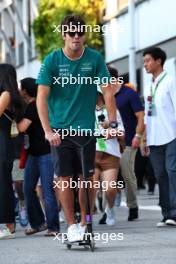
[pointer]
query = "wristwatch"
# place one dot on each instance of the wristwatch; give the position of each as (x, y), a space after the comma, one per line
(113, 124)
(138, 135)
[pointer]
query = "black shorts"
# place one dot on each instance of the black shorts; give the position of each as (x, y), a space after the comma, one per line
(67, 157)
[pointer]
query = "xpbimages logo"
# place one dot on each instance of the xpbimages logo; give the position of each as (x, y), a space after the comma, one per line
(81, 184)
(104, 133)
(101, 237)
(104, 29)
(85, 80)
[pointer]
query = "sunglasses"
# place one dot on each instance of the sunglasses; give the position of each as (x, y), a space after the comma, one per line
(72, 34)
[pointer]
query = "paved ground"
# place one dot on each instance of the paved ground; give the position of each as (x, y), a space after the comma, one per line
(142, 242)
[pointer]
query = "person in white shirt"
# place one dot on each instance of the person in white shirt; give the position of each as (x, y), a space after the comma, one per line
(160, 120)
(108, 155)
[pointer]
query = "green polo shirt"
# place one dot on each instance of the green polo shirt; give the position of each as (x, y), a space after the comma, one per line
(73, 104)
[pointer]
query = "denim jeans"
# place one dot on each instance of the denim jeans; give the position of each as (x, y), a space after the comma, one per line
(163, 159)
(42, 167)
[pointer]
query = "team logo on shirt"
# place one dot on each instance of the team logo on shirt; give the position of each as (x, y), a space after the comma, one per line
(64, 70)
(86, 67)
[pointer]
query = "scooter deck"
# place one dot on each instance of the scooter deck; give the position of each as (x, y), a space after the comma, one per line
(80, 243)
(84, 243)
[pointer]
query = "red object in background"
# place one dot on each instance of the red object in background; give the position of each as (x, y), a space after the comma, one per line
(23, 158)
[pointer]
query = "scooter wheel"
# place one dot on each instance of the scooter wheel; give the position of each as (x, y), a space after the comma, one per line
(69, 246)
(92, 245)
(86, 247)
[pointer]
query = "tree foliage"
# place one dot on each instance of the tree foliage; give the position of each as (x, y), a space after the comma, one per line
(51, 12)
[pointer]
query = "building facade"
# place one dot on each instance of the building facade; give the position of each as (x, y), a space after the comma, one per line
(154, 24)
(17, 45)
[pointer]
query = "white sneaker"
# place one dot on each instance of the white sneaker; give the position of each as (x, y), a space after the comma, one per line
(6, 234)
(110, 220)
(82, 230)
(162, 223)
(73, 234)
(171, 222)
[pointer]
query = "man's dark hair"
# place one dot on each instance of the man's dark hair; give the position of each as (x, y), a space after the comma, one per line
(72, 19)
(156, 54)
(30, 86)
(113, 71)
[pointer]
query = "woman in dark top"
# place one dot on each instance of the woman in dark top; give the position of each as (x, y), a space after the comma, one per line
(10, 104)
(39, 164)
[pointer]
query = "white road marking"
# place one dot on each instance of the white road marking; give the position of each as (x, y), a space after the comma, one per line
(145, 207)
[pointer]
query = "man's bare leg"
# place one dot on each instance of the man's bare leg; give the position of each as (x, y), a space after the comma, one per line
(65, 195)
(82, 200)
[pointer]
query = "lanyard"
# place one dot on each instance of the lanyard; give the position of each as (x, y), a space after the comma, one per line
(151, 98)
(153, 93)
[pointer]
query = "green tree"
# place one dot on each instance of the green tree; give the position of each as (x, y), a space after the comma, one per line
(52, 12)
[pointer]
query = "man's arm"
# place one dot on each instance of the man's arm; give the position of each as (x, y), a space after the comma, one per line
(140, 122)
(42, 107)
(139, 129)
(109, 102)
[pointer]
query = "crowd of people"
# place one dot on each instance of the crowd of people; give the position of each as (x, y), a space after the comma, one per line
(39, 110)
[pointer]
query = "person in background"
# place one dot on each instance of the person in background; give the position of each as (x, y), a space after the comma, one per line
(10, 108)
(160, 120)
(107, 161)
(39, 164)
(18, 180)
(132, 113)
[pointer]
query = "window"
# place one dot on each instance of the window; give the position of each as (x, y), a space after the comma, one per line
(29, 18)
(21, 53)
(8, 58)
